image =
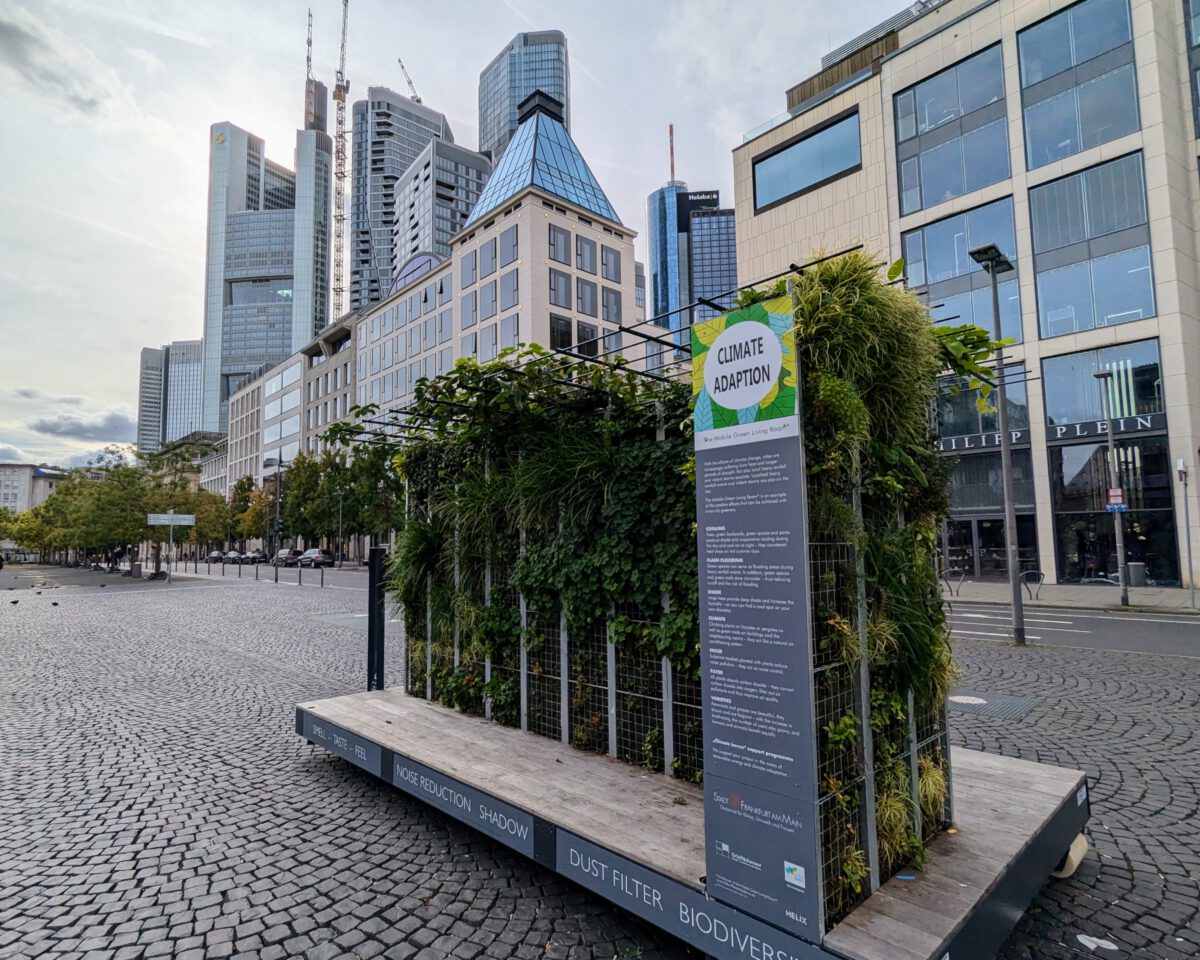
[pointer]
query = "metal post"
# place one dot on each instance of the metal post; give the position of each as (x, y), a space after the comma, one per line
(341, 550)
(375, 619)
(1187, 527)
(171, 535)
(299, 574)
(1114, 480)
(564, 677)
(862, 692)
(428, 633)
(611, 678)
(1010, 507)
(322, 578)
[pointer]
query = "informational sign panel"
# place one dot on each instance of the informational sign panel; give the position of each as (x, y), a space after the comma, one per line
(760, 791)
(171, 519)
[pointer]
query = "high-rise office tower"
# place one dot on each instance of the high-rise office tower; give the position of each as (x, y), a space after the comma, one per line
(151, 371)
(529, 62)
(670, 215)
(266, 277)
(183, 374)
(390, 131)
(434, 198)
(713, 268)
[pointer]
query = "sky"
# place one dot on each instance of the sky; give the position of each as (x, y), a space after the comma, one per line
(104, 156)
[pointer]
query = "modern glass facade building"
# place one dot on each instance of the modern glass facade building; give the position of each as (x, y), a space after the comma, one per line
(713, 269)
(184, 374)
(267, 269)
(434, 198)
(669, 212)
(529, 62)
(151, 380)
(1066, 133)
(390, 132)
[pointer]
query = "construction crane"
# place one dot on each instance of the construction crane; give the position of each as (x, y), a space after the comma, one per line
(340, 90)
(412, 91)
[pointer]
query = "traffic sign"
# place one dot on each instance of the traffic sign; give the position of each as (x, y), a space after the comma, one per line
(171, 519)
(1117, 507)
(1116, 495)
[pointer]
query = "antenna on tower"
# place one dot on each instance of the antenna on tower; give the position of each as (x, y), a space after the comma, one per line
(671, 138)
(310, 83)
(341, 89)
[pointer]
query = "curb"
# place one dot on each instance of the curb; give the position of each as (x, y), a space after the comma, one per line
(1107, 608)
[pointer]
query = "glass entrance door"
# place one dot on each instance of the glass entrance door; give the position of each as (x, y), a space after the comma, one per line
(976, 546)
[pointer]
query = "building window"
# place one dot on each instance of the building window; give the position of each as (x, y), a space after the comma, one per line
(612, 305)
(1077, 79)
(429, 340)
(610, 264)
(468, 269)
(509, 294)
(585, 254)
(487, 300)
(468, 306)
(1074, 395)
(560, 288)
(560, 244)
(1084, 537)
(816, 158)
(487, 258)
(487, 343)
(612, 343)
(1091, 245)
(445, 325)
(445, 289)
(958, 405)
(560, 333)
(937, 256)
(952, 132)
(509, 331)
(977, 485)
(585, 297)
(589, 339)
(469, 344)
(508, 246)
(445, 359)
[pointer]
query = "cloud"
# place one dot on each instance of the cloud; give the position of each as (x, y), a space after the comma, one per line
(29, 53)
(83, 459)
(112, 426)
(11, 454)
(33, 393)
(149, 61)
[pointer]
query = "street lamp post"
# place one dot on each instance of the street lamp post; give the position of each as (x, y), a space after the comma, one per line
(279, 464)
(995, 262)
(341, 494)
(1181, 468)
(1114, 479)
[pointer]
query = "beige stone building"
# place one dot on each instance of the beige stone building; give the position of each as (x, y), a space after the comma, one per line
(1067, 134)
(542, 259)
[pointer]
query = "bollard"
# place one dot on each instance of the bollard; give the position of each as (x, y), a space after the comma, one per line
(239, 571)
(277, 570)
(299, 574)
(256, 571)
(222, 566)
(322, 577)
(208, 568)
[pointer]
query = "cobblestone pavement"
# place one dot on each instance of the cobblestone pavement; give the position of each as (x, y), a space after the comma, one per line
(155, 800)
(1132, 722)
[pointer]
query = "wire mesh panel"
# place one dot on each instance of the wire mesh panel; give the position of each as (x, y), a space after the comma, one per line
(504, 688)
(588, 688)
(544, 655)
(689, 728)
(414, 630)
(639, 697)
(933, 770)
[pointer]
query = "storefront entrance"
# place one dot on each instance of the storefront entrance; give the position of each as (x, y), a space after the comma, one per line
(975, 546)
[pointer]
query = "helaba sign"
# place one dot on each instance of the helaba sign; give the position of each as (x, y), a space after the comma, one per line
(743, 365)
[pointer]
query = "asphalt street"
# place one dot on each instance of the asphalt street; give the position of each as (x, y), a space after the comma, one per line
(1176, 635)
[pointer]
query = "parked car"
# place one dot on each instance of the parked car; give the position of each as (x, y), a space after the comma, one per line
(254, 556)
(316, 558)
(286, 557)
(215, 556)
(233, 557)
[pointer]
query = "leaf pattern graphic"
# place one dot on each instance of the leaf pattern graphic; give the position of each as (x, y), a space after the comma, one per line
(704, 411)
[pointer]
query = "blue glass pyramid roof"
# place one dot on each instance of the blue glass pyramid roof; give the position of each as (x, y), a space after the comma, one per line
(542, 154)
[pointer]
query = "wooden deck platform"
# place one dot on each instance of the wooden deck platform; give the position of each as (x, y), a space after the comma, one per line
(637, 838)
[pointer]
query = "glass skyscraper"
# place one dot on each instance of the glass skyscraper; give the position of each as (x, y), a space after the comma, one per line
(669, 213)
(529, 62)
(184, 371)
(151, 374)
(390, 132)
(267, 270)
(714, 261)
